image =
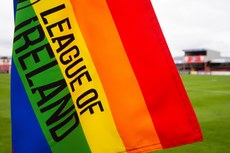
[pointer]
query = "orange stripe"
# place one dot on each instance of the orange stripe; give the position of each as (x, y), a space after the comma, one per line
(123, 92)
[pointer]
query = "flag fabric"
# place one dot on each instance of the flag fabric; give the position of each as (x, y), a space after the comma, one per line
(95, 76)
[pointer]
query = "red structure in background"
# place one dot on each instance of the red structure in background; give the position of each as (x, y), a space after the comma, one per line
(5, 64)
(194, 59)
(5, 68)
(202, 60)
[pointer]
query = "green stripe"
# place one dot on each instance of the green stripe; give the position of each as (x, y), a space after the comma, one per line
(45, 85)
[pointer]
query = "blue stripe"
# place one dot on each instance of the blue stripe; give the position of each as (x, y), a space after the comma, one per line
(27, 136)
(15, 7)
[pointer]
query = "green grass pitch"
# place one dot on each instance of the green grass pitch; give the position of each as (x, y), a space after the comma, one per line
(5, 126)
(210, 97)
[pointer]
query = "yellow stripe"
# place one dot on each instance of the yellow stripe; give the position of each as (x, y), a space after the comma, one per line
(87, 91)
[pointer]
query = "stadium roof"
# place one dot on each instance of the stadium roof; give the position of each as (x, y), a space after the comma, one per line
(5, 56)
(199, 50)
(194, 50)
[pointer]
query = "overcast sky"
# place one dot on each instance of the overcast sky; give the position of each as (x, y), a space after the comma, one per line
(185, 24)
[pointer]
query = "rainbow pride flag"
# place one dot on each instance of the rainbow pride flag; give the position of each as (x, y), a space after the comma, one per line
(95, 76)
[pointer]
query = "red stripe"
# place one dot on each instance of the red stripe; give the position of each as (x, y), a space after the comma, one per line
(163, 91)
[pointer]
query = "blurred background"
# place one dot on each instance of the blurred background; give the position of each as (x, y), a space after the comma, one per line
(198, 36)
